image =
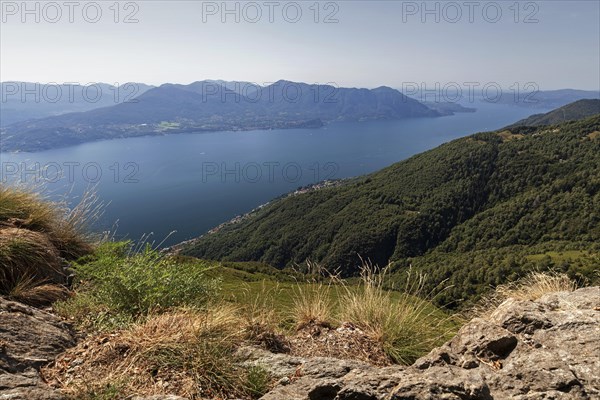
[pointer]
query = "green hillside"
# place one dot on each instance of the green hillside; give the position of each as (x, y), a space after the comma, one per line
(571, 112)
(473, 210)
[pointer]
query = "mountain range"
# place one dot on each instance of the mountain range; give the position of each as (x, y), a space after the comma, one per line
(23, 101)
(546, 99)
(525, 96)
(214, 106)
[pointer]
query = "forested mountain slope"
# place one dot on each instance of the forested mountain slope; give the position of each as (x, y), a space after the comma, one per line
(517, 193)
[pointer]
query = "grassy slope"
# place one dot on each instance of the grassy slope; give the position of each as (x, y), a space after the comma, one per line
(243, 282)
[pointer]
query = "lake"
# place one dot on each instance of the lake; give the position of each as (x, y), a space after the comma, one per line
(190, 183)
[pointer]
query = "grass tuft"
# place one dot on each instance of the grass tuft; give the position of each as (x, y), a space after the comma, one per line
(27, 258)
(406, 322)
(258, 381)
(536, 284)
(260, 319)
(529, 288)
(37, 239)
(313, 305)
(66, 228)
(30, 292)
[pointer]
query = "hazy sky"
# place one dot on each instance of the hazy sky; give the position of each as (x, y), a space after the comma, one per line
(555, 44)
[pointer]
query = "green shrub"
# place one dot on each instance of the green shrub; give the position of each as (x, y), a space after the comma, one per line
(137, 283)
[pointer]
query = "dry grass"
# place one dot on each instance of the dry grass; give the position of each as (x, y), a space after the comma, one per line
(31, 292)
(27, 259)
(259, 306)
(313, 305)
(187, 353)
(369, 306)
(24, 207)
(535, 285)
(67, 228)
(36, 236)
(367, 322)
(529, 288)
(71, 234)
(192, 352)
(407, 325)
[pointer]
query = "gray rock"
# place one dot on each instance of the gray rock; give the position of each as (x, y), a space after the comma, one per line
(283, 365)
(477, 341)
(26, 385)
(544, 349)
(531, 316)
(320, 377)
(448, 383)
(29, 339)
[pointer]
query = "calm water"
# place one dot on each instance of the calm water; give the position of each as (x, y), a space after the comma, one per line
(191, 183)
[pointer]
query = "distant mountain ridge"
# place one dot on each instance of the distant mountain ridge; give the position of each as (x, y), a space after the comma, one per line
(571, 112)
(215, 106)
(547, 99)
(22, 101)
(523, 97)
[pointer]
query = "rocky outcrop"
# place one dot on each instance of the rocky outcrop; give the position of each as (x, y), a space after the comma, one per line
(525, 350)
(544, 349)
(29, 339)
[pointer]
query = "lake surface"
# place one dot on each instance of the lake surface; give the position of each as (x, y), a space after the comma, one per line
(190, 183)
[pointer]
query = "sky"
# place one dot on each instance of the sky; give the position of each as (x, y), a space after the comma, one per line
(553, 44)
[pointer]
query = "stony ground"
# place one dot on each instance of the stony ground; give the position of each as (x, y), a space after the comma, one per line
(545, 349)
